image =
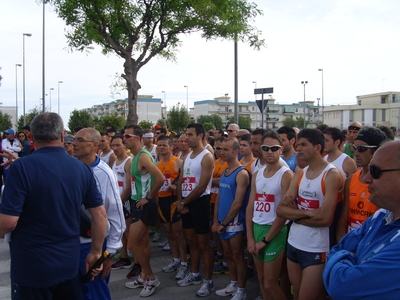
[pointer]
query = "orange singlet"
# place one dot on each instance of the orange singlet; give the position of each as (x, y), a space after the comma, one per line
(169, 174)
(248, 166)
(219, 168)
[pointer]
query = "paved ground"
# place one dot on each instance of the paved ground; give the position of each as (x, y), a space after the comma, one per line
(167, 290)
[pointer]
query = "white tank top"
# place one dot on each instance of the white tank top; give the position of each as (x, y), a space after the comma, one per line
(310, 196)
(106, 158)
(119, 170)
(338, 162)
(268, 195)
(153, 152)
(191, 174)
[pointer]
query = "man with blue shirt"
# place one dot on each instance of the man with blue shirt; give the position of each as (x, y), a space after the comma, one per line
(365, 264)
(40, 207)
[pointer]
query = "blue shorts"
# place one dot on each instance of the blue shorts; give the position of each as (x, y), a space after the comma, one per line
(305, 259)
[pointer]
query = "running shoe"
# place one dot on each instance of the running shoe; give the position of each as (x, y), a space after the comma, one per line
(218, 258)
(123, 263)
(156, 237)
(228, 291)
(137, 283)
(149, 287)
(182, 272)
(205, 289)
(189, 280)
(166, 248)
(239, 296)
(173, 266)
(259, 297)
(135, 271)
(163, 244)
(220, 269)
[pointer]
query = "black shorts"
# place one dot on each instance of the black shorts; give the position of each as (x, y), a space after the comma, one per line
(167, 210)
(198, 216)
(303, 258)
(148, 215)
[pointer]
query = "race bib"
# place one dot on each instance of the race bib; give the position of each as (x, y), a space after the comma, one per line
(188, 185)
(167, 183)
(214, 190)
(307, 204)
(264, 203)
(133, 186)
(353, 224)
(234, 227)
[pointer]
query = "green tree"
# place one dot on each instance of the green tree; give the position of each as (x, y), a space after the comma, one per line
(178, 119)
(208, 126)
(144, 124)
(5, 121)
(300, 122)
(79, 118)
(28, 117)
(214, 118)
(137, 31)
(110, 120)
(161, 122)
(289, 122)
(244, 122)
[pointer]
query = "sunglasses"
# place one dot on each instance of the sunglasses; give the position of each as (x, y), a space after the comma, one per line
(273, 148)
(363, 148)
(376, 172)
(127, 136)
(230, 130)
(68, 143)
(158, 132)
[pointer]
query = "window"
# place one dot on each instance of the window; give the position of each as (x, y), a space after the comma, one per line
(374, 115)
(252, 108)
(383, 100)
(383, 115)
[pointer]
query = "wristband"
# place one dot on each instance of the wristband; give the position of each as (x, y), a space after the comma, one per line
(222, 224)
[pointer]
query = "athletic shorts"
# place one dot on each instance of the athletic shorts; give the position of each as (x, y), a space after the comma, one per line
(305, 259)
(167, 210)
(275, 246)
(228, 235)
(148, 215)
(198, 216)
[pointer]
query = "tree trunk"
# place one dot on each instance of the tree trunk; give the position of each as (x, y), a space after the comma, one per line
(133, 86)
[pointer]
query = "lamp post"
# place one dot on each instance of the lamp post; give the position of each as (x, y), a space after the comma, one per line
(226, 109)
(187, 97)
(59, 96)
(322, 72)
(16, 92)
(304, 86)
(51, 89)
(165, 104)
(23, 72)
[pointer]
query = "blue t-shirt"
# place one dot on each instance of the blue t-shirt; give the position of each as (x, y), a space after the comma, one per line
(46, 190)
(292, 163)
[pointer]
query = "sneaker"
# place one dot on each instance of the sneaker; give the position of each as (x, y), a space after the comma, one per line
(189, 280)
(163, 244)
(173, 266)
(166, 247)
(149, 287)
(137, 283)
(250, 272)
(218, 258)
(151, 232)
(205, 289)
(182, 272)
(123, 263)
(220, 269)
(156, 237)
(135, 271)
(239, 296)
(259, 297)
(228, 291)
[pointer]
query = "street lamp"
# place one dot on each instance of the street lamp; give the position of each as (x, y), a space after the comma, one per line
(304, 86)
(187, 97)
(16, 93)
(322, 72)
(165, 104)
(51, 89)
(59, 96)
(226, 109)
(23, 71)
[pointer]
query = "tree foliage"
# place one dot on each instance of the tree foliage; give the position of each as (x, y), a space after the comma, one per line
(289, 122)
(214, 118)
(244, 122)
(28, 117)
(137, 31)
(161, 122)
(144, 124)
(208, 126)
(79, 118)
(178, 119)
(110, 120)
(5, 121)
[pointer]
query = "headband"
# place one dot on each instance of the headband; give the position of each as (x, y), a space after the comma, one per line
(370, 138)
(353, 128)
(148, 135)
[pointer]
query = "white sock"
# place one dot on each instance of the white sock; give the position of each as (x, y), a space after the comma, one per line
(195, 274)
(177, 260)
(184, 264)
(240, 290)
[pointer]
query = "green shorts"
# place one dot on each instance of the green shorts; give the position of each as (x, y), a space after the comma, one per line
(275, 246)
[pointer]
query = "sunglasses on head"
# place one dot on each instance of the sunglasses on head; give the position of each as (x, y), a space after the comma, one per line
(273, 148)
(363, 148)
(376, 172)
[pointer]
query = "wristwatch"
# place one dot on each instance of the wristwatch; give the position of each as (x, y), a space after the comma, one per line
(222, 224)
(264, 241)
(182, 203)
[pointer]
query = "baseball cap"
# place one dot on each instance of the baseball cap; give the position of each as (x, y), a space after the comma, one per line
(10, 131)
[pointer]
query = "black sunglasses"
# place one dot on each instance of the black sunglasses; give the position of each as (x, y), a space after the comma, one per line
(272, 148)
(230, 130)
(376, 172)
(363, 148)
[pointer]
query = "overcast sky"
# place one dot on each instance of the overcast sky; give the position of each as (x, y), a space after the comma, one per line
(355, 42)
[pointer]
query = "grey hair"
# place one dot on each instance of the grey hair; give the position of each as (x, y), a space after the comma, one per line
(47, 127)
(235, 125)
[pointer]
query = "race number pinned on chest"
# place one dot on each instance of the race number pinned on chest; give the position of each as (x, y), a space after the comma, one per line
(264, 203)
(167, 183)
(188, 185)
(133, 186)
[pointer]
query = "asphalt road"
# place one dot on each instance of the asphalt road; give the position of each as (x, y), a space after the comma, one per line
(167, 290)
